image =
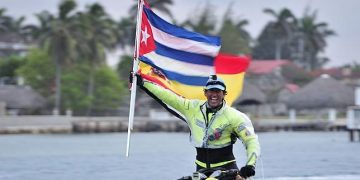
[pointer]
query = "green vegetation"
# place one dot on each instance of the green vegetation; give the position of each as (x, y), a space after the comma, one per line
(235, 40)
(106, 95)
(73, 42)
(296, 75)
(124, 67)
(9, 65)
(38, 71)
(297, 39)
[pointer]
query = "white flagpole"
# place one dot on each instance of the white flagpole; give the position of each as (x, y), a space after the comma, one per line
(135, 69)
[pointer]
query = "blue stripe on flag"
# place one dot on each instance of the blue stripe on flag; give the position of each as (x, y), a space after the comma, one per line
(183, 79)
(183, 56)
(178, 31)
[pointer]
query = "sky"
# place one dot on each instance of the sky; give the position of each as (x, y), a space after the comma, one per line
(342, 16)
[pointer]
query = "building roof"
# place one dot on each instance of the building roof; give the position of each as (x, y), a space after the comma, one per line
(323, 92)
(337, 73)
(20, 97)
(10, 37)
(333, 72)
(265, 66)
(292, 87)
(287, 91)
(251, 93)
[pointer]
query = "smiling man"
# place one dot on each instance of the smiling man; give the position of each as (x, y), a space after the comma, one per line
(214, 126)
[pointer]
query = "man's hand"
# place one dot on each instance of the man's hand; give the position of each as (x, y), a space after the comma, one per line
(139, 79)
(247, 171)
(238, 177)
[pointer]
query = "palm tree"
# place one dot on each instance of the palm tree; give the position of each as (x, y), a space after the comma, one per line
(276, 35)
(127, 26)
(5, 21)
(35, 32)
(126, 33)
(204, 22)
(2, 19)
(56, 34)
(235, 39)
(8, 23)
(160, 5)
(313, 36)
(284, 21)
(101, 31)
(12, 26)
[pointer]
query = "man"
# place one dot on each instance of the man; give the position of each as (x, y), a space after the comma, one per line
(214, 126)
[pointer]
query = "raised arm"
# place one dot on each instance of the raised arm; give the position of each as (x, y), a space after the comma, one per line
(174, 103)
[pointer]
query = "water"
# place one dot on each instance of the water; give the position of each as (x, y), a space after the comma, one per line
(285, 155)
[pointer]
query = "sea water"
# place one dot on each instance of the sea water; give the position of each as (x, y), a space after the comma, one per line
(166, 156)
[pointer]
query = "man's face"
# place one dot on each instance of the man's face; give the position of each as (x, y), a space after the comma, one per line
(214, 97)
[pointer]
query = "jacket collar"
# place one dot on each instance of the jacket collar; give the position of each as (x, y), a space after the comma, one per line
(220, 111)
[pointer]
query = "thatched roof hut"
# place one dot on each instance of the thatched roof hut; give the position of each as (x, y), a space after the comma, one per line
(20, 97)
(251, 94)
(287, 91)
(323, 92)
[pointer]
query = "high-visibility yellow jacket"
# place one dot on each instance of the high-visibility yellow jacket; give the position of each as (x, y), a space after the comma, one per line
(212, 131)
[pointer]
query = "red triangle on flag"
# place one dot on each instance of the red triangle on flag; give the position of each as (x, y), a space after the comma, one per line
(147, 43)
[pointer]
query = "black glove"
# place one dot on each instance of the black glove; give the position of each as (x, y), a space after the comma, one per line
(139, 81)
(247, 171)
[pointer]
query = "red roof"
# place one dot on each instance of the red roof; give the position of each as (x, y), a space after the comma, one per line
(292, 87)
(265, 66)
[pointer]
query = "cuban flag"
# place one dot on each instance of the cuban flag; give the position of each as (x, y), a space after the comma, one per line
(181, 60)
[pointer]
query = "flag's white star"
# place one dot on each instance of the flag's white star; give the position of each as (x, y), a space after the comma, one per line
(145, 36)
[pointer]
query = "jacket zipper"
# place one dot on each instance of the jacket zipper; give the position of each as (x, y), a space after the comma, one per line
(207, 124)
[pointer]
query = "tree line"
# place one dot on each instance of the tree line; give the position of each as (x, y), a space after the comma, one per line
(67, 61)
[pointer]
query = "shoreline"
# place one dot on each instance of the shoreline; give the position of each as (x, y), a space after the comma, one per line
(70, 124)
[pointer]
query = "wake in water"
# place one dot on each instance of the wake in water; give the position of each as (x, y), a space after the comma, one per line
(342, 177)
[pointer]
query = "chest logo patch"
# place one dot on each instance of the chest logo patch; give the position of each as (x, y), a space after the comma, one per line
(215, 134)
